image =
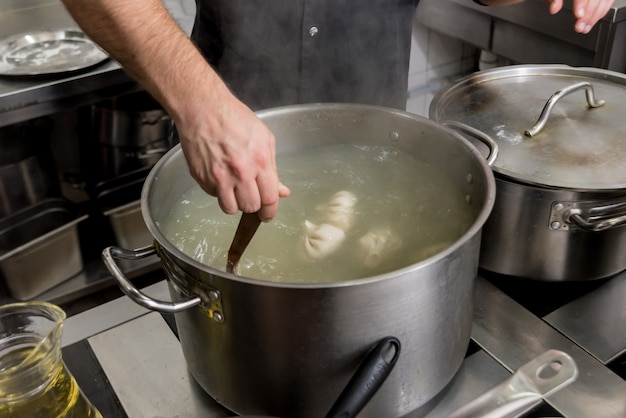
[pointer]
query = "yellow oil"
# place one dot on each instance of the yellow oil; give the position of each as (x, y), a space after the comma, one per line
(399, 199)
(49, 390)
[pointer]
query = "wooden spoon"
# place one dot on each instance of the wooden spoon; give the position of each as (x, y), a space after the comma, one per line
(248, 224)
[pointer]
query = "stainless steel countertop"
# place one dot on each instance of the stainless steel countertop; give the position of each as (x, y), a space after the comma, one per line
(144, 364)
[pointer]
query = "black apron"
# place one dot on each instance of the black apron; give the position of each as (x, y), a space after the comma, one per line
(279, 52)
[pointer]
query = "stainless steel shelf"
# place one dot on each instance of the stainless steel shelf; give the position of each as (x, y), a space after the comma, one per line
(24, 98)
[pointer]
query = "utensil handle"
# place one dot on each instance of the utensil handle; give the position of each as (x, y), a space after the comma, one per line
(248, 224)
(480, 135)
(367, 380)
(538, 378)
(109, 255)
(547, 108)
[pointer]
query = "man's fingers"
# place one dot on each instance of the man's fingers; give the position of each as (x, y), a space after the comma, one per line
(247, 195)
(283, 191)
(555, 6)
(227, 199)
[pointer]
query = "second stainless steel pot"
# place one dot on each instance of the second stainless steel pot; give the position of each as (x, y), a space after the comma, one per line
(269, 348)
(560, 211)
(131, 133)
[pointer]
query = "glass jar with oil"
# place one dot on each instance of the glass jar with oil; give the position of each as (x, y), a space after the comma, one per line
(34, 381)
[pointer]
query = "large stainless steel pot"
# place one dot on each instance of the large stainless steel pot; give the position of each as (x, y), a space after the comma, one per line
(560, 211)
(279, 349)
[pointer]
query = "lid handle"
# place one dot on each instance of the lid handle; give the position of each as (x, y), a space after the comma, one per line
(547, 109)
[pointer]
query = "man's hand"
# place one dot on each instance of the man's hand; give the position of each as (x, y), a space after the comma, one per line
(587, 12)
(231, 154)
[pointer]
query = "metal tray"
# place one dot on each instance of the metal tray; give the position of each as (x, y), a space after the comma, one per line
(48, 52)
(120, 201)
(129, 227)
(39, 248)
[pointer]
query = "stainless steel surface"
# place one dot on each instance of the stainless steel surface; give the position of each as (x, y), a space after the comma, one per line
(597, 321)
(110, 254)
(130, 133)
(108, 315)
(522, 239)
(25, 98)
(581, 147)
(589, 215)
(137, 350)
(539, 378)
(492, 146)
(45, 249)
(95, 278)
(132, 120)
(143, 380)
(558, 95)
(478, 374)
(527, 33)
(413, 302)
(28, 173)
(26, 183)
(150, 372)
(513, 335)
(559, 214)
(48, 52)
(128, 226)
(22, 100)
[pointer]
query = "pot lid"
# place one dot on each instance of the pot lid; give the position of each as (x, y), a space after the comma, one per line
(582, 143)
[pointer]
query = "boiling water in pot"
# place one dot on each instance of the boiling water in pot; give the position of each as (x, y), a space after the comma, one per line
(354, 212)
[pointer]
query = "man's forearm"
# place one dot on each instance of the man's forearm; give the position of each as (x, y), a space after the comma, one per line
(147, 42)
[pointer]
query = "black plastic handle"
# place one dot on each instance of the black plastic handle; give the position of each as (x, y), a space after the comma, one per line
(368, 378)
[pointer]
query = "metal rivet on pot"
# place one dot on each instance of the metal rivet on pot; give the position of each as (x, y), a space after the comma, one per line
(217, 317)
(469, 178)
(394, 136)
(558, 206)
(468, 199)
(555, 225)
(214, 295)
(313, 30)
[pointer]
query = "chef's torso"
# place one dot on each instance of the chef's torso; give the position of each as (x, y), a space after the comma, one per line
(278, 52)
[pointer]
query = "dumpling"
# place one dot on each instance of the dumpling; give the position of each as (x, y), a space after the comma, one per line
(321, 240)
(376, 244)
(339, 210)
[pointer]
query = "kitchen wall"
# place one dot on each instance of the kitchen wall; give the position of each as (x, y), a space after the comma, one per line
(436, 60)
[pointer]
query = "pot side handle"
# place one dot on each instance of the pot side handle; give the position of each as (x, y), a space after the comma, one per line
(540, 377)
(109, 255)
(592, 216)
(479, 135)
(595, 226)
(547, 108)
